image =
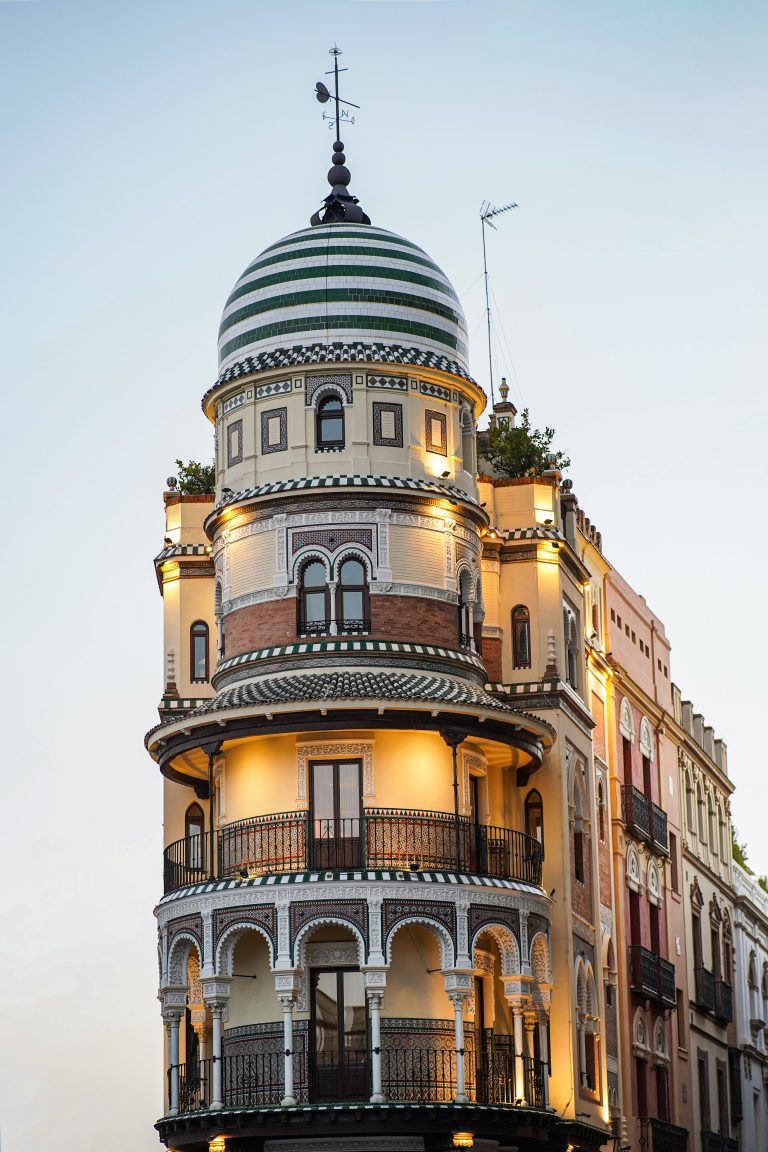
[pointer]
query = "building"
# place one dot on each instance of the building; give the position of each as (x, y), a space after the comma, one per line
(749, 1065)
(709, 1038)
(383, 921)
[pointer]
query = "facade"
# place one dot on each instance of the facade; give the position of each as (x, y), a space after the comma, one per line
(704, 789)
(368, 897)
(446, 856)
(749, 1086)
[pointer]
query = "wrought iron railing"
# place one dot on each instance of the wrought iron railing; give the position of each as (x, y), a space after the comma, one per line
(416, 1068)
(723, 1001)
(705, 989)
(662, 1137)
(634, 811)
(652, 976)
(347, 627)
(715, 1142)
(466, 639)
(381, 838)
(643, 818)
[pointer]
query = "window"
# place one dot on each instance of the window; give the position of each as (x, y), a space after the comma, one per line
(336, 800)
(723, 835)
(313, 600)
(578, 839)
(465, 610)
(329, 423)
(713, 836)
(352, 598)
(198, 652)
(194, 826)
(703, 1072)
(702, 816)
(626, 755)
(674, 868)
(521, 637)
(571, 646)
(681, 1009)
(601, 809)
(689, 803)
(534, 817)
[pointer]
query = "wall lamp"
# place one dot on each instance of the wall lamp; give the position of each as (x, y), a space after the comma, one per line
(463, 1140)
(444, 475)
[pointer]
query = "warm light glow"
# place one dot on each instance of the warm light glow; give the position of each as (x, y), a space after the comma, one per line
(463, 1140)
(218, 1144)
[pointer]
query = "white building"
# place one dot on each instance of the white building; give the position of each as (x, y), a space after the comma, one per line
(750, 945)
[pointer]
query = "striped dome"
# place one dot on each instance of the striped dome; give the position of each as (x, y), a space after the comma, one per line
(342, 283)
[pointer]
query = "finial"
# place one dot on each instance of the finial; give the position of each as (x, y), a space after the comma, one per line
(339, 205)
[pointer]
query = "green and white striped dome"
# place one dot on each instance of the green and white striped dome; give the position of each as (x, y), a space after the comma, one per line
(342, 283)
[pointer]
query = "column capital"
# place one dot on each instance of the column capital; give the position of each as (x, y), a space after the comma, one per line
(457, 980)
(287, 985)
(374, 980)
(216, 991)
(172, 1016)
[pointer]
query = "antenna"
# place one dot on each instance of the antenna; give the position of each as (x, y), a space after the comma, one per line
(487, 213)
(323, 95)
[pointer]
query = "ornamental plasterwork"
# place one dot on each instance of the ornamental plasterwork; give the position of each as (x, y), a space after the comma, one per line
(423, 591)
(472, 763)
(345, 749)
(646, 739)
(625, 720)
(634, 875)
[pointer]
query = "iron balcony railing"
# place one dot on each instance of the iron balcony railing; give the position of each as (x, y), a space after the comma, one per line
(705, 989)
(662, 1137)
(643, 818)
(381, 838)
(723, 1001)
(715, 1142)
(414, 1070)
(652, 976)
(323, 627)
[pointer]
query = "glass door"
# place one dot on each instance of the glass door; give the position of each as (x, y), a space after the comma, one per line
(336, 806)
(340, 1034)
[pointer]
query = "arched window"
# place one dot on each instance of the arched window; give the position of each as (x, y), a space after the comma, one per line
(218, 611)
(313, 600)
(689, 802)
(465, 610)
(352, 605)
(578, 837)
(329, 423)
(571, 646)
(534, 817)
(198, 652)
(521, 637)
(194, 827)
(702, 814)
(723, 834)
(713, 837)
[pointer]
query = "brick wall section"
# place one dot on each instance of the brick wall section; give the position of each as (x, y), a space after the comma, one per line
(492, 658)
(581, 892)
(604, 863)
(412, 618)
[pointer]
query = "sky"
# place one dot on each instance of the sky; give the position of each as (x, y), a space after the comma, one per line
(148, 151)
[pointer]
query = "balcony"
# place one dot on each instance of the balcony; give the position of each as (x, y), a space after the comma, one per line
(380, 839)
(644, 819)
(342, 628)
(413, 1071)
(662, 1137)
(723, 1001)
(714, 1142)
(705, 989)
(652, 976)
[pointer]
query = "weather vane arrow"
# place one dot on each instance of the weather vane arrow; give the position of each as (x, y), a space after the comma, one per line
(323, 95)
(340, 204)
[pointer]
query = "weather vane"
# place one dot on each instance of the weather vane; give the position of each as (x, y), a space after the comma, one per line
(323, 95)
(487, 213)
(340, 204)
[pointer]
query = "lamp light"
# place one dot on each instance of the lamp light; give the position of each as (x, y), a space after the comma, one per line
(463, 1140)
(217, 1144)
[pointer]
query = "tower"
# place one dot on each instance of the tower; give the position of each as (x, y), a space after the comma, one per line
(355, 945)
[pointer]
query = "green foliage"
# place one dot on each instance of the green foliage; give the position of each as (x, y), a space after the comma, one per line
(520, 450)
(763, 882)
(196, 479)
(739, 851)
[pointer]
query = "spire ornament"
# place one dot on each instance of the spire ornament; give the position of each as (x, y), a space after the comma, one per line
(340, 205)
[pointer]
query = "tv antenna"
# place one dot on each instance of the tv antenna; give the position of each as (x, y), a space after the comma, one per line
(487, 213)
(323, 95)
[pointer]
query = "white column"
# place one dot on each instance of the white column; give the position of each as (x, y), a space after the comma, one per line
(582, 1050)
(544, 1056)
(333, 627)
(458, 999)
(517, 1024)
(374, 1006)
(289, 1099)
(217, 1011)
(172, 1018)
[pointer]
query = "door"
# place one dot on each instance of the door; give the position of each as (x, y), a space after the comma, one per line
(336, 809)
(340, 1035)
(481, 1043)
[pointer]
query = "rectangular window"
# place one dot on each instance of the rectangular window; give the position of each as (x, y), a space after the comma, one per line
(274, 430)
(234, 443)
(674, 868)
(703, 1075)
(613, 615)
(387, 424)
(335, 808)
(436, 432)
(681, 1010)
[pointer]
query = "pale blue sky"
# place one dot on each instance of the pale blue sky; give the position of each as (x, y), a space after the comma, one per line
(147, 152)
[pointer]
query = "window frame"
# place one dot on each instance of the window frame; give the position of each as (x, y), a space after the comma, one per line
(203, 633)
(521, 619)
(323, 416)
(342, 625)
(317, 628)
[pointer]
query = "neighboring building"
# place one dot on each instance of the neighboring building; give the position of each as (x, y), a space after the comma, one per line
(705, 788)
(749, 1086)
(357, 945)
